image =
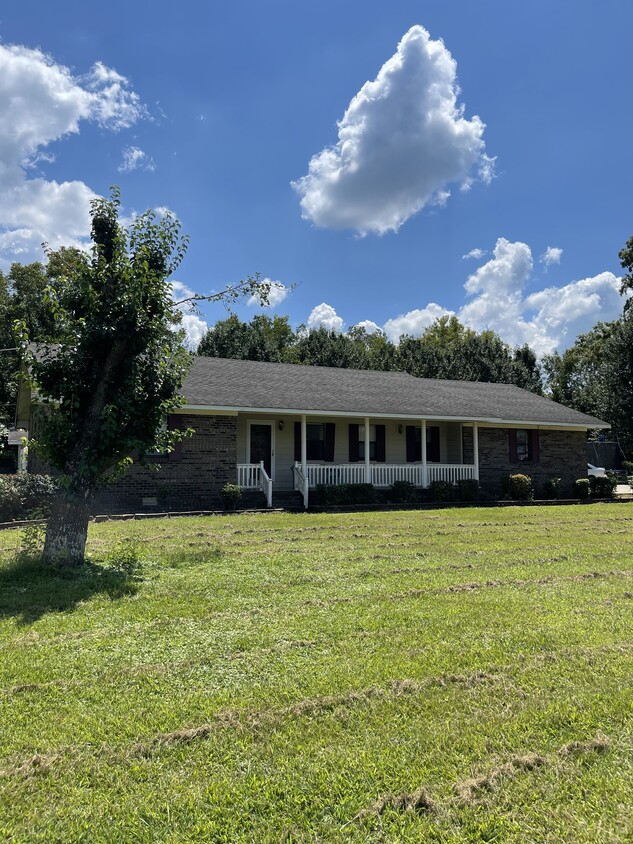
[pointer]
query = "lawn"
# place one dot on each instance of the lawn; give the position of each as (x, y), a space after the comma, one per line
(445, 676)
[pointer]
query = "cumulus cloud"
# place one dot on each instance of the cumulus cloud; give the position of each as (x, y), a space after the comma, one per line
(193, 324)
(401, 142)
(276, 295)
(42, 102)
(368, 325)
(324, 316)
(135, 159)
(414, 322)
(552, 255)
(476, 253)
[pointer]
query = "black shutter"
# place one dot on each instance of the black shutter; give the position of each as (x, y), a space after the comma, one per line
(433, 444)
(381, 449)
(354, 453)
(173, 425)
(512, 438)
(411, 444)
(536, 451)
(328, 445)
(297, 442)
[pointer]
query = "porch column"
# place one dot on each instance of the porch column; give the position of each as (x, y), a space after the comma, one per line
(425, 480)
(304, 446)
(476, 450)
(367, 463)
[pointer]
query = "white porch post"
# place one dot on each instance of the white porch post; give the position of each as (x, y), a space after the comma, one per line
(304, 446)
(425, 480)
(476, 450)
(367, 463)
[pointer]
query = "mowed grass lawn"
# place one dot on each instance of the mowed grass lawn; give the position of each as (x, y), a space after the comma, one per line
(456, 675)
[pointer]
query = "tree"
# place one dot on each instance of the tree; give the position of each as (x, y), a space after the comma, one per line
(264, 338)
(118, 364)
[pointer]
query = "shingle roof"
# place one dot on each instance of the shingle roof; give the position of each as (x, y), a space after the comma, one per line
(241, 384)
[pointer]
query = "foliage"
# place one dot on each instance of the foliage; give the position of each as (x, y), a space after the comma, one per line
(126, 557)
(332, 495)
(468, 489)
(552, 488)
(403, 492)
(518, 487)
(602, 487)
(231, 494)
(441, 491)
(581, 488)
(21, 495)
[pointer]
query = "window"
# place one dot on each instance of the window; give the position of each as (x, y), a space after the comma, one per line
(524, 445)
(315, 442)
(361, 442)
(414, 443)
(377, 440)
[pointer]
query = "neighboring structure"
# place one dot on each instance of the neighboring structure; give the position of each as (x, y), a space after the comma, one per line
(283, 427)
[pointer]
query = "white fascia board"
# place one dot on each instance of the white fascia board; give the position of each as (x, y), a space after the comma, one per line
(486, 421)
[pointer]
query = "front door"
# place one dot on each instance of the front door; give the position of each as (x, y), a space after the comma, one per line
(261, 441)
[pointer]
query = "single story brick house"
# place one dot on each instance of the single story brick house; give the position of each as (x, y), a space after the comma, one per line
(279, 427)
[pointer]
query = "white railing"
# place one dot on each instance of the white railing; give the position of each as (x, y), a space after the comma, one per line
(302, 484)
(248, 475)
(266, 485)
(450, 472)
(385, 474)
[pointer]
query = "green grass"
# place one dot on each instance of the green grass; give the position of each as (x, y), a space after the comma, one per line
(445, 676)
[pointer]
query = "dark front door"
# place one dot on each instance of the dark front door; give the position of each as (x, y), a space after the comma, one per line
(261, 446)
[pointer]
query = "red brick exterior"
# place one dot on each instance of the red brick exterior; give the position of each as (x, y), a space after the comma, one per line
(563, 454)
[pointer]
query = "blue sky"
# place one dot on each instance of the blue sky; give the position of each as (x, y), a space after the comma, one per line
(356, 150)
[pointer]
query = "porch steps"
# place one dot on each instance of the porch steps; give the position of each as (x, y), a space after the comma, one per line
(287, 500)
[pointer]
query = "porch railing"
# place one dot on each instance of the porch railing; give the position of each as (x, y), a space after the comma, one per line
(248, 475)
(451, 472)
(302, 483)
(385, 474)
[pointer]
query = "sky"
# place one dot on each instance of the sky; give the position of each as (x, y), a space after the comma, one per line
(382, 165)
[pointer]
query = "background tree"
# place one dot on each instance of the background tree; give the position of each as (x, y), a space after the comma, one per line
(118, 363)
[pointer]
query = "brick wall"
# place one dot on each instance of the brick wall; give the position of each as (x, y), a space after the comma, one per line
(563, 454)
(189, 479)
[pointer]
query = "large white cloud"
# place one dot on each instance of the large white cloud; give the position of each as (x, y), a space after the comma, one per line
(324, 316)
(276, 294)
(401, 142)
(41, 102)
(195, 327)
(415, 322)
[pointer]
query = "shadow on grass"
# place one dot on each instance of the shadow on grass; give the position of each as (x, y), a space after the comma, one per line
(30, 590)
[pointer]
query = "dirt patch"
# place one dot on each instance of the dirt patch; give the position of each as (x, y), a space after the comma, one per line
(468, 791)
(417, 801)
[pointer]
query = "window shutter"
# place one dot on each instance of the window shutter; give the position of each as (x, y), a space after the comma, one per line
(328, 446)
(381, 449)
(173, 425)
(297, 442)
(354, 453)
(536, 451)
(433, 444)
(411, 444)
(514, 457)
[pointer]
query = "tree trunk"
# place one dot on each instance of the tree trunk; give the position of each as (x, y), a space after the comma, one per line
(67, 529)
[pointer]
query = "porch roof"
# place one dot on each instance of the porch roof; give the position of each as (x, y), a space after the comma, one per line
(221, 384)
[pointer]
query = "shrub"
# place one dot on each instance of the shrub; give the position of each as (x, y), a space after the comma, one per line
(231, 494)
(581, 488)
(332, 495)
(519, 487)
(603, 487)
(23, 494)
(551, 488)
(441, 491)
(403, 492)
(468, 489)
(627, 465)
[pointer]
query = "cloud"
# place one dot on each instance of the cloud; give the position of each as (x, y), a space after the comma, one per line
(42, 102)
(276, 295)
(135, 159)
(414, 322)
(552, 255)
(324, 316)
(476, 253)
(369, 326)
(401, 142)
(194, 326)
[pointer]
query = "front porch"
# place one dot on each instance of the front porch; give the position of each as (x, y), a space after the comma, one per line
(382, 452)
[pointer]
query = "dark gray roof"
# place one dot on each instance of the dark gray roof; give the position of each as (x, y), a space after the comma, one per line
(242, 384)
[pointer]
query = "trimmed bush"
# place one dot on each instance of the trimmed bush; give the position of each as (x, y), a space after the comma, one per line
(551, 488)
(333, 495)
(441, 491)
(603, 487)
(24, 494)
(231, 494)
(403, 492)
(519, 487)
(581, 488)
(467, 489)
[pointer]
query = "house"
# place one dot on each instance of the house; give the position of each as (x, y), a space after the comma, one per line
(281, 427)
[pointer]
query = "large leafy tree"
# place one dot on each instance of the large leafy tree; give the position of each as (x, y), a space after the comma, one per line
(118, 364)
